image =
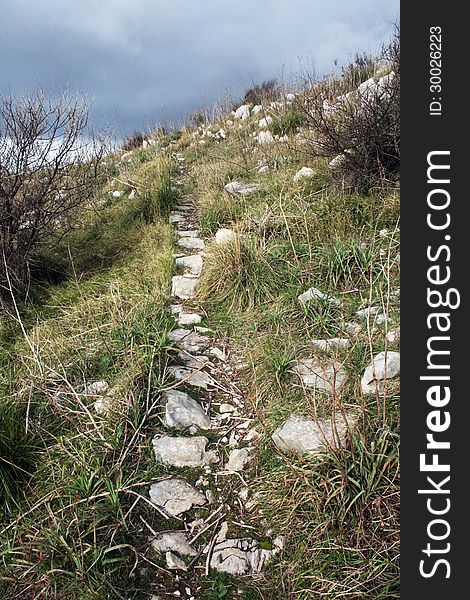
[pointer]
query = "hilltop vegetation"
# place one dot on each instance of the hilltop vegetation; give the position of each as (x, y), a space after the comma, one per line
(74, 478)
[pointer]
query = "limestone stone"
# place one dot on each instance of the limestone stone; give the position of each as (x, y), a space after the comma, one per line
(183, 287)
(328, 376)
(385, 366)
(303, 172)
(191, 376)
(183, 451)
(319, 295)
(330, 344)
(192, 264)
(313, 436)
(173, 541)
(193, 243)
(238, 459)
(175, 496)
(242, 556)
(242, 189)
(182, 411)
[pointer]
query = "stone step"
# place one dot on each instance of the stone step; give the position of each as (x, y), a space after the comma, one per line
(183, 451)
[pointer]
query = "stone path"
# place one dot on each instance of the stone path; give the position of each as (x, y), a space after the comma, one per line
(203, 399)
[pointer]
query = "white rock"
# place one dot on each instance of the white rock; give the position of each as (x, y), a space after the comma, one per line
(242, 556)
(243, 189)
(183, 451)
(290, 97)
(316, 293)
(327, 376)
(313, 436)
(175, 496)
(183, 287)
(369, 311)
(283, 138)
(117, 194)
(337, 161)
(187, 318)
(265, 122)
(191, 233)
(380, 319)
(385, 366)
(263, 169)
(193, 263)
(238, 459)
(191, 376)
(224, 236)
(383, 233)
(189, 341)
(352, 328)
(145, 144)
(227, 408)
(191, 243)
(96, 388)
(242, 112)
(182, 411)
(220, 354)
(175, 563)
(256, 109)
(367, 89)
(173, 541)
(330, 344)
(264, 138)
(304, 172)
(393, 335)
(196, 362)
(103, 406)
(133, 194)
(176, 218)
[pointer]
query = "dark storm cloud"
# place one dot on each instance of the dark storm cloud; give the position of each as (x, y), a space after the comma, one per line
(148, 60)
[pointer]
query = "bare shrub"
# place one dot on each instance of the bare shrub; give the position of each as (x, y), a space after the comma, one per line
(360, 124)
(133, 141)
(49, 167)
(268, 90)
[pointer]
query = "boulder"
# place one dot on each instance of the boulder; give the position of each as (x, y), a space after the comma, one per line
(173, 541)
(265, 122)
(265, 137)
(191, 243)
(330, 344)
(191, 376)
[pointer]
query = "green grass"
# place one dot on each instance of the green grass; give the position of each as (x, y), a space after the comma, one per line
(75, 520)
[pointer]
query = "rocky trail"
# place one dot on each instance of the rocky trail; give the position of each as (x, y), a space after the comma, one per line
(211, 432)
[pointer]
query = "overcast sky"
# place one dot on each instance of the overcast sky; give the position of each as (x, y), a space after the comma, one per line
(149, 61)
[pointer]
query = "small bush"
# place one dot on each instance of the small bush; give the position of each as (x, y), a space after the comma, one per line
(133, 141)
(268, 90)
